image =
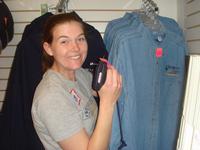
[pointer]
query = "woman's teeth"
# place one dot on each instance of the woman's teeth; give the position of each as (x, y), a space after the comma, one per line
(75, 57)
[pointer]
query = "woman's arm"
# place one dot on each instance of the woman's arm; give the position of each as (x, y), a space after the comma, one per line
(99, 140)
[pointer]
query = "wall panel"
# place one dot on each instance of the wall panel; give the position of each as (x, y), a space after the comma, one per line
(192, 25)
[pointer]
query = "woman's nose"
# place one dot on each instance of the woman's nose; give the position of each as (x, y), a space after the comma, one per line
(75, 45)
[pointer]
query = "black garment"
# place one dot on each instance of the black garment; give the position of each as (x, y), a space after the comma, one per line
(26, 72)
(18, 132)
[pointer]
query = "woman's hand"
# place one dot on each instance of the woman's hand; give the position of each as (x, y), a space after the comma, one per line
(110, 91)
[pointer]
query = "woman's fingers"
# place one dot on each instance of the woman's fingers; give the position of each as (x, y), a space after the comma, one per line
(109, 76)
(114, 78)
(110, 91)
(119, 80)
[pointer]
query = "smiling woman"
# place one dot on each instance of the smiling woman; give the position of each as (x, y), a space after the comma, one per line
(64, 110)
(66, 46)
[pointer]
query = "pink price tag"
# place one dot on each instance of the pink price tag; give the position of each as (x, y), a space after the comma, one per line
(159, 52)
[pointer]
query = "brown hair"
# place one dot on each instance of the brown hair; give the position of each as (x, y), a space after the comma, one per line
(47, 60)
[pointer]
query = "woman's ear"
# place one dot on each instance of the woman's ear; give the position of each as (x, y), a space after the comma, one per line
(47, 48)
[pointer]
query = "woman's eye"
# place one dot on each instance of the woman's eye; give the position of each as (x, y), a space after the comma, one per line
(65, 41)
(81, 39)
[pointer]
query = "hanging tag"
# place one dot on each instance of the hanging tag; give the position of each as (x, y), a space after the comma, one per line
(159, 52)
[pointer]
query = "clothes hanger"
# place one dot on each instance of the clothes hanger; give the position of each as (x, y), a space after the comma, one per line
(62, 6)
(149, 15)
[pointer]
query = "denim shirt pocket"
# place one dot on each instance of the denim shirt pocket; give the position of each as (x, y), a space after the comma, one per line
(171, 72)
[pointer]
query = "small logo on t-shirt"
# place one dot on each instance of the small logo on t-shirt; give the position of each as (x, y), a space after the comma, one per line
(77, 98)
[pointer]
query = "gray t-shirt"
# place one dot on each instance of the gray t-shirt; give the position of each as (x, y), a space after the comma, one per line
(61, 107)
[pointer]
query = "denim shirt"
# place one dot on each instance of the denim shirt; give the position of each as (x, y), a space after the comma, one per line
(114, 26)
(147, 112)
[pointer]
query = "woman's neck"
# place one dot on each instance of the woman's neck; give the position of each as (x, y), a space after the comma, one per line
(68, 74)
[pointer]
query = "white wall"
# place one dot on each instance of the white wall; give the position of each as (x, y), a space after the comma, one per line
(181, 13)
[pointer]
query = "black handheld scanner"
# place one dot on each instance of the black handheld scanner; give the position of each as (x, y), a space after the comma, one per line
(99, 76)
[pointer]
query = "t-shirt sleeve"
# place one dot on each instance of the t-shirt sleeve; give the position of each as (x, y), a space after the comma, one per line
(59, 115)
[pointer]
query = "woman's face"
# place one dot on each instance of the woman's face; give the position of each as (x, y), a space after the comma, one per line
(69, 46)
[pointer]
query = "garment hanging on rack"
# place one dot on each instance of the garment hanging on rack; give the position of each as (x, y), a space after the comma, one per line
(26, 72)
(152, 66)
